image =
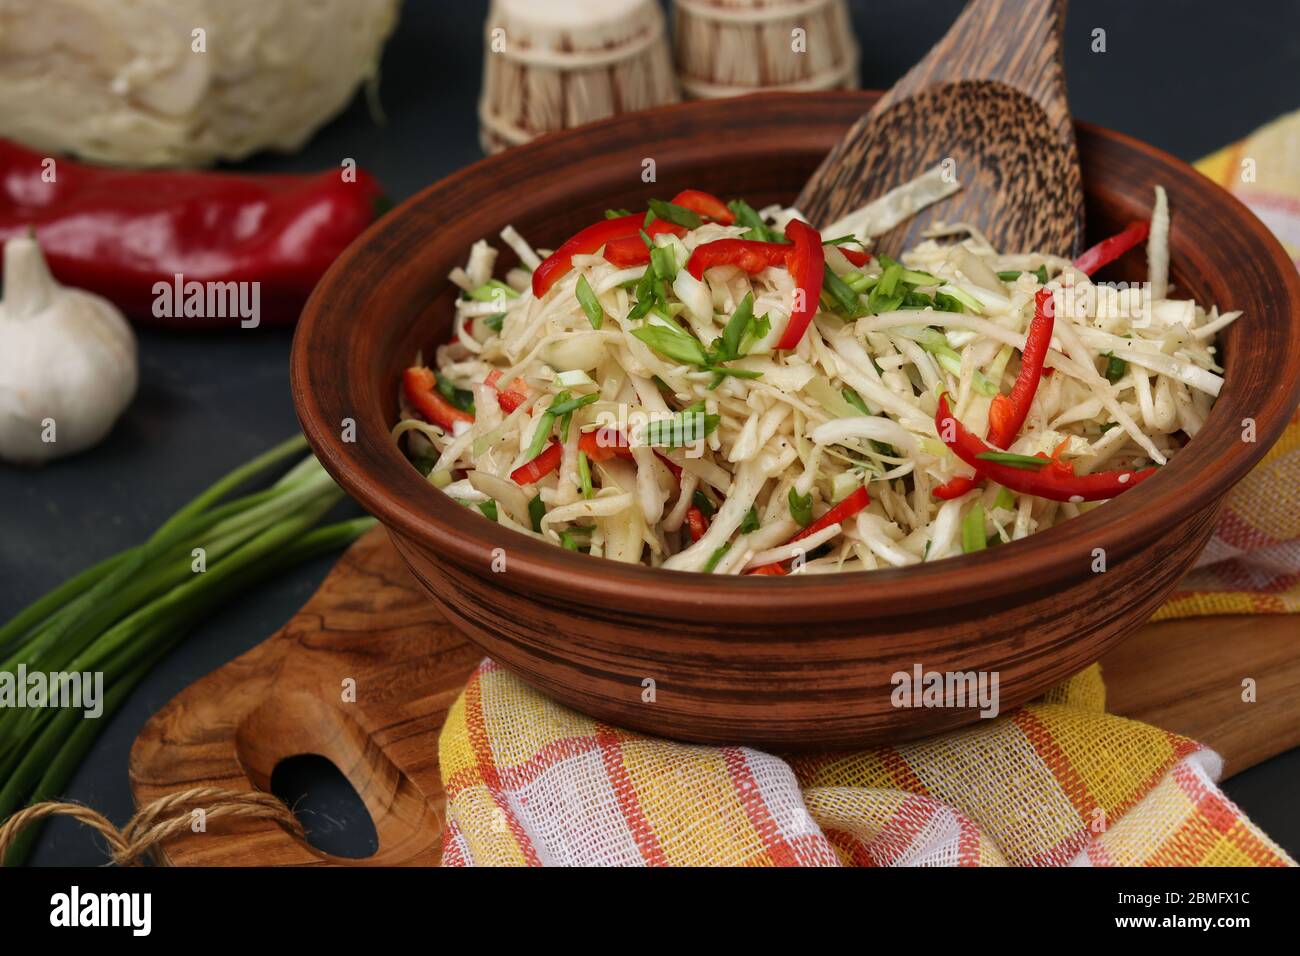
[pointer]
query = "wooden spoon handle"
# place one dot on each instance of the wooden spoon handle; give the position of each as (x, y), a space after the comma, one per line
(1016, 42)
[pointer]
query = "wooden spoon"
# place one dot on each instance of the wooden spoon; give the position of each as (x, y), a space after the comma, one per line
(990, 98)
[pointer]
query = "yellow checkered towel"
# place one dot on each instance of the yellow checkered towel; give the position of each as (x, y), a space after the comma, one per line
(1057, 782)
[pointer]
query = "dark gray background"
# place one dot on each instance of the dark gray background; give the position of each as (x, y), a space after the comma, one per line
(1188, 76)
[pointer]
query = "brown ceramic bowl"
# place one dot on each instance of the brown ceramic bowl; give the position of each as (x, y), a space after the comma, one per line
(798, 662)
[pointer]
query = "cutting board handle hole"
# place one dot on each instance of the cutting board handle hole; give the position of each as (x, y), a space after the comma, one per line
(327, 805)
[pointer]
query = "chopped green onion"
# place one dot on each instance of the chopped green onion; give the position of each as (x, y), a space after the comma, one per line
(751, 521)
(1004, 499)
(701, 501)
(584, 475)
(842, 296)
(489, 508)
(1025, 462)
(973, 537)
(676, 345)
(736, 326)
(536, 512)
(1009, 276)
(854, 399)
(944, 302)
(1041, 274)
(495, 321)
(889, 278)
(801, 508)
(677, 215)
(590, 304)
(755, 227)
(568, 542)
(683, 428)
(568, 405)
(714, 558)
(1116, 368)
(664, 262)
(616, 213)
(488, 291)
(462, 398)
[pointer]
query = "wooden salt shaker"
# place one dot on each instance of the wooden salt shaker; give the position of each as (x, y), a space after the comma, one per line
(554, 64)
(733, 47)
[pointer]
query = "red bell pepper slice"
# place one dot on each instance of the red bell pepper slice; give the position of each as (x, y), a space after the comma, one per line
(420, 386)
(1108, 250)
(748, 254)
(1056, 480)
(539, 467)
(586, 242)
(806, 262)
(705, 204)
(842, 512)
(511, 397)
(604, 443)
(697, 522)
(855, 256)
(1008, 412)
(955, 487)
(632, 250)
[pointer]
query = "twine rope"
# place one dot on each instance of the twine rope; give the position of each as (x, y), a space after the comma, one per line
(140, 840)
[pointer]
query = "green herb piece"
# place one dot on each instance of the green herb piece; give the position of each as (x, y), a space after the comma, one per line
(544, 425)
(495, 321)
(701, 501)
(616, 213)
(568, 542)
(664, 262)
(423, 464)
(843, 297)
(569, 405)
(462, 398)
(489, 290)
(854, 399)
(1025, 462)
(536, 512)
(489, 508)
(1004, 499)
(729, 347)
(1116, 368)
(943, 302)
(889, 278)
(584, 476)
(677, 215)
(714, 558)
(801, 508)
(682, 429)
(973, 537)
(676, 345)
(1041, 274)
(751, 521)
(590, 304)
(756, 228)
(1009, 276)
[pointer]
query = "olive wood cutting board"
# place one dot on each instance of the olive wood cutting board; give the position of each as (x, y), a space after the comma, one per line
(369, 623)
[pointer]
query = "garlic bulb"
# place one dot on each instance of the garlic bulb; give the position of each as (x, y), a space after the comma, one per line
(67, 361)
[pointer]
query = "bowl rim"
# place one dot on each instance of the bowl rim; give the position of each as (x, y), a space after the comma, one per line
(1121, 527)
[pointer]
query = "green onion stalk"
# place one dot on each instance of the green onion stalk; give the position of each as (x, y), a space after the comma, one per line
(124, 614)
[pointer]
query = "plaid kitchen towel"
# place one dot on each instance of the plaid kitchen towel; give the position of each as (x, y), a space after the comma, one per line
(1058, 782)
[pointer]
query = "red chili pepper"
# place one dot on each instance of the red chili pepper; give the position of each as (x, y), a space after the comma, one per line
(855, 256)
(768, 569)
(1007, 412)
(697, 523)
(586, 242)
(806, 263)
(1056, 480)
(128, 234)
(511, 397)
(842, 512)
(705, 204)
(421, 388)
(539, 467)
(1108, 250)
(748, 254)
